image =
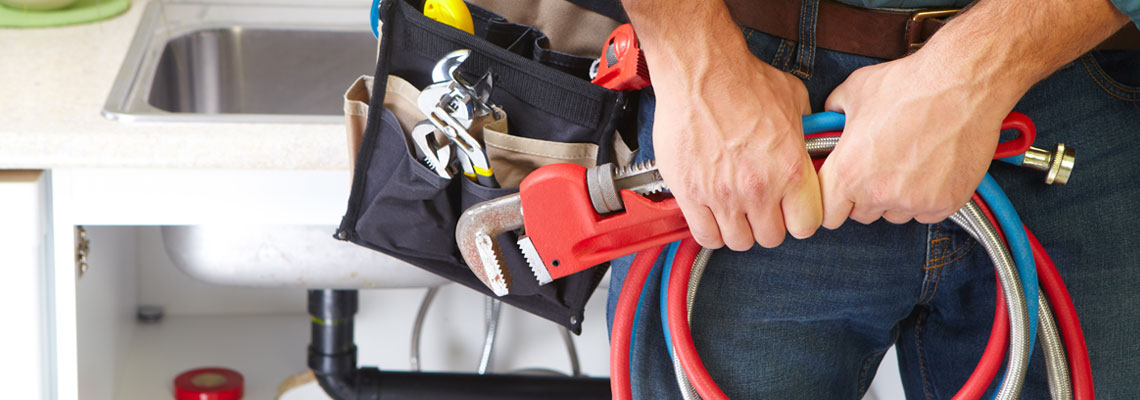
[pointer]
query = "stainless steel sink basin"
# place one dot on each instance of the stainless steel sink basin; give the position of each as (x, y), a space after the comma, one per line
(206, 61)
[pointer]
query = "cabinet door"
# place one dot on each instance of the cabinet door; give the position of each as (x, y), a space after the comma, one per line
(23, 263)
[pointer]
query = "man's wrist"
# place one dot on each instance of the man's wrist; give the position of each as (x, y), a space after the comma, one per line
(988, 70)
(687, 41)
(1005, 47)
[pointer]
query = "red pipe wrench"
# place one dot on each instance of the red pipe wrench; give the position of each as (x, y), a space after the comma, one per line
(575, 219)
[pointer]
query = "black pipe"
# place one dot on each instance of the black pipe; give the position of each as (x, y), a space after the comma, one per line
(453, 386)
(332, 353)
(332, 357)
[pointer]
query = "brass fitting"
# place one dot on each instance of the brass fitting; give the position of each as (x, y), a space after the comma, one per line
(1057, 164)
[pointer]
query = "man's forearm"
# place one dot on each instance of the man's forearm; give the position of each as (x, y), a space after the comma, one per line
(685, 37)
(1016, 43)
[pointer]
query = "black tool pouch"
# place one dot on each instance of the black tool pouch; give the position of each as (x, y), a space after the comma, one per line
(401, 208)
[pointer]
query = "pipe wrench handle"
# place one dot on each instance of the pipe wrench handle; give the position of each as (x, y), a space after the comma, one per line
(569, 236)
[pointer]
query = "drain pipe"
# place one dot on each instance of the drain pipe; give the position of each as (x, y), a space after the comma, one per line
(332, 352)
(332, 357)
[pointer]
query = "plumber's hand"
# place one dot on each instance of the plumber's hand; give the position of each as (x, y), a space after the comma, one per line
(920, 134)
(729, 142)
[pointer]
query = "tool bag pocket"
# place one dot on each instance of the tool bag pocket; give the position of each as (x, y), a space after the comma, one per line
(400, 207)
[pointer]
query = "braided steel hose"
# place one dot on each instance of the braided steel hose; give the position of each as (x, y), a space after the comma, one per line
(971, 218)
(688, 392)
(1056, 363)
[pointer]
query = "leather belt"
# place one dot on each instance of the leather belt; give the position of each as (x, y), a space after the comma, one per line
(886, 34)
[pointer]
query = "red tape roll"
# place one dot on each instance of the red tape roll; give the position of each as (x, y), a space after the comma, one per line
(209, 384)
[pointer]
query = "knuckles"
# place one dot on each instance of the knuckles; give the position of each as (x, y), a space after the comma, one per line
(771, 241)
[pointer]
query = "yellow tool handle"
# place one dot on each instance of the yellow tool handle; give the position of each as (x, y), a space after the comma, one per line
(450, 12)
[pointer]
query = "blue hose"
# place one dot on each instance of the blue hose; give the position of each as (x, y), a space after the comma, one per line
(1018, 241)
(823, 122)
(375, 16)
(654, 276)
(670, 254)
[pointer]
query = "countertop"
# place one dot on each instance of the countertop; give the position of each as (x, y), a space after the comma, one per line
(54, 81)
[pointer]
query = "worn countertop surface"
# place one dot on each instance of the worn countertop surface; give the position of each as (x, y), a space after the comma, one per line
(54, 81)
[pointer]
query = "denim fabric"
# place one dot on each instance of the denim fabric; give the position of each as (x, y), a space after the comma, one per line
(812, 318)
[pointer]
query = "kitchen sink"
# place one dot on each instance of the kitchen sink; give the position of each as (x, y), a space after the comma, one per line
(269, 61)
(232, 62)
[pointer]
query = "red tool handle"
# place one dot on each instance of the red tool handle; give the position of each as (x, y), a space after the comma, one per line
(569, 236)
(622, 64)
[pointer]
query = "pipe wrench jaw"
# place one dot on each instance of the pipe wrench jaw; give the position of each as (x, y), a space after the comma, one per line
(476, 234)
(537, 266)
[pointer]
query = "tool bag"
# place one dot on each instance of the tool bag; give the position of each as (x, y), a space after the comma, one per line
(401, 208)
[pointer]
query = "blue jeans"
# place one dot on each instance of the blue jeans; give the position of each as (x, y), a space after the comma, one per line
(812, 318)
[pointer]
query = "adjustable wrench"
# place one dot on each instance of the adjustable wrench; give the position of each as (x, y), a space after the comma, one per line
(455, 106)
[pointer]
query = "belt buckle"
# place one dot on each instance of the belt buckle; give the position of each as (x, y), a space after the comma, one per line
(914, 26)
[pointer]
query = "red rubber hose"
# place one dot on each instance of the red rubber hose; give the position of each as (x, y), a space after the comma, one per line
(683, 345)
(823, 135)
(623, 321)
(1027, 133)
(992, 357)
(1066, 315)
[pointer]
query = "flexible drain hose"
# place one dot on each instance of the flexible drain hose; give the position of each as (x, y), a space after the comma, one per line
(1060, 386)
(687, 363)
(972, 219)
(1060, 383)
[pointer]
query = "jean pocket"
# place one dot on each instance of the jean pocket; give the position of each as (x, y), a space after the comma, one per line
(1117, 72)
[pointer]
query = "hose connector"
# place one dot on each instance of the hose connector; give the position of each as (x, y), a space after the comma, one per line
(1057, 164)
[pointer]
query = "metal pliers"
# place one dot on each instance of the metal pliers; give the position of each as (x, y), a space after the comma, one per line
(453, 106)
(430, 152)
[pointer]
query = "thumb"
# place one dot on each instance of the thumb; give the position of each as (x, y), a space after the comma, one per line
(802, 206)
(837, 100)
(836, 206)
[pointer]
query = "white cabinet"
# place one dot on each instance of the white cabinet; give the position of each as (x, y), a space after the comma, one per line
(94, 347)
(23, 260)
(76, 337)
